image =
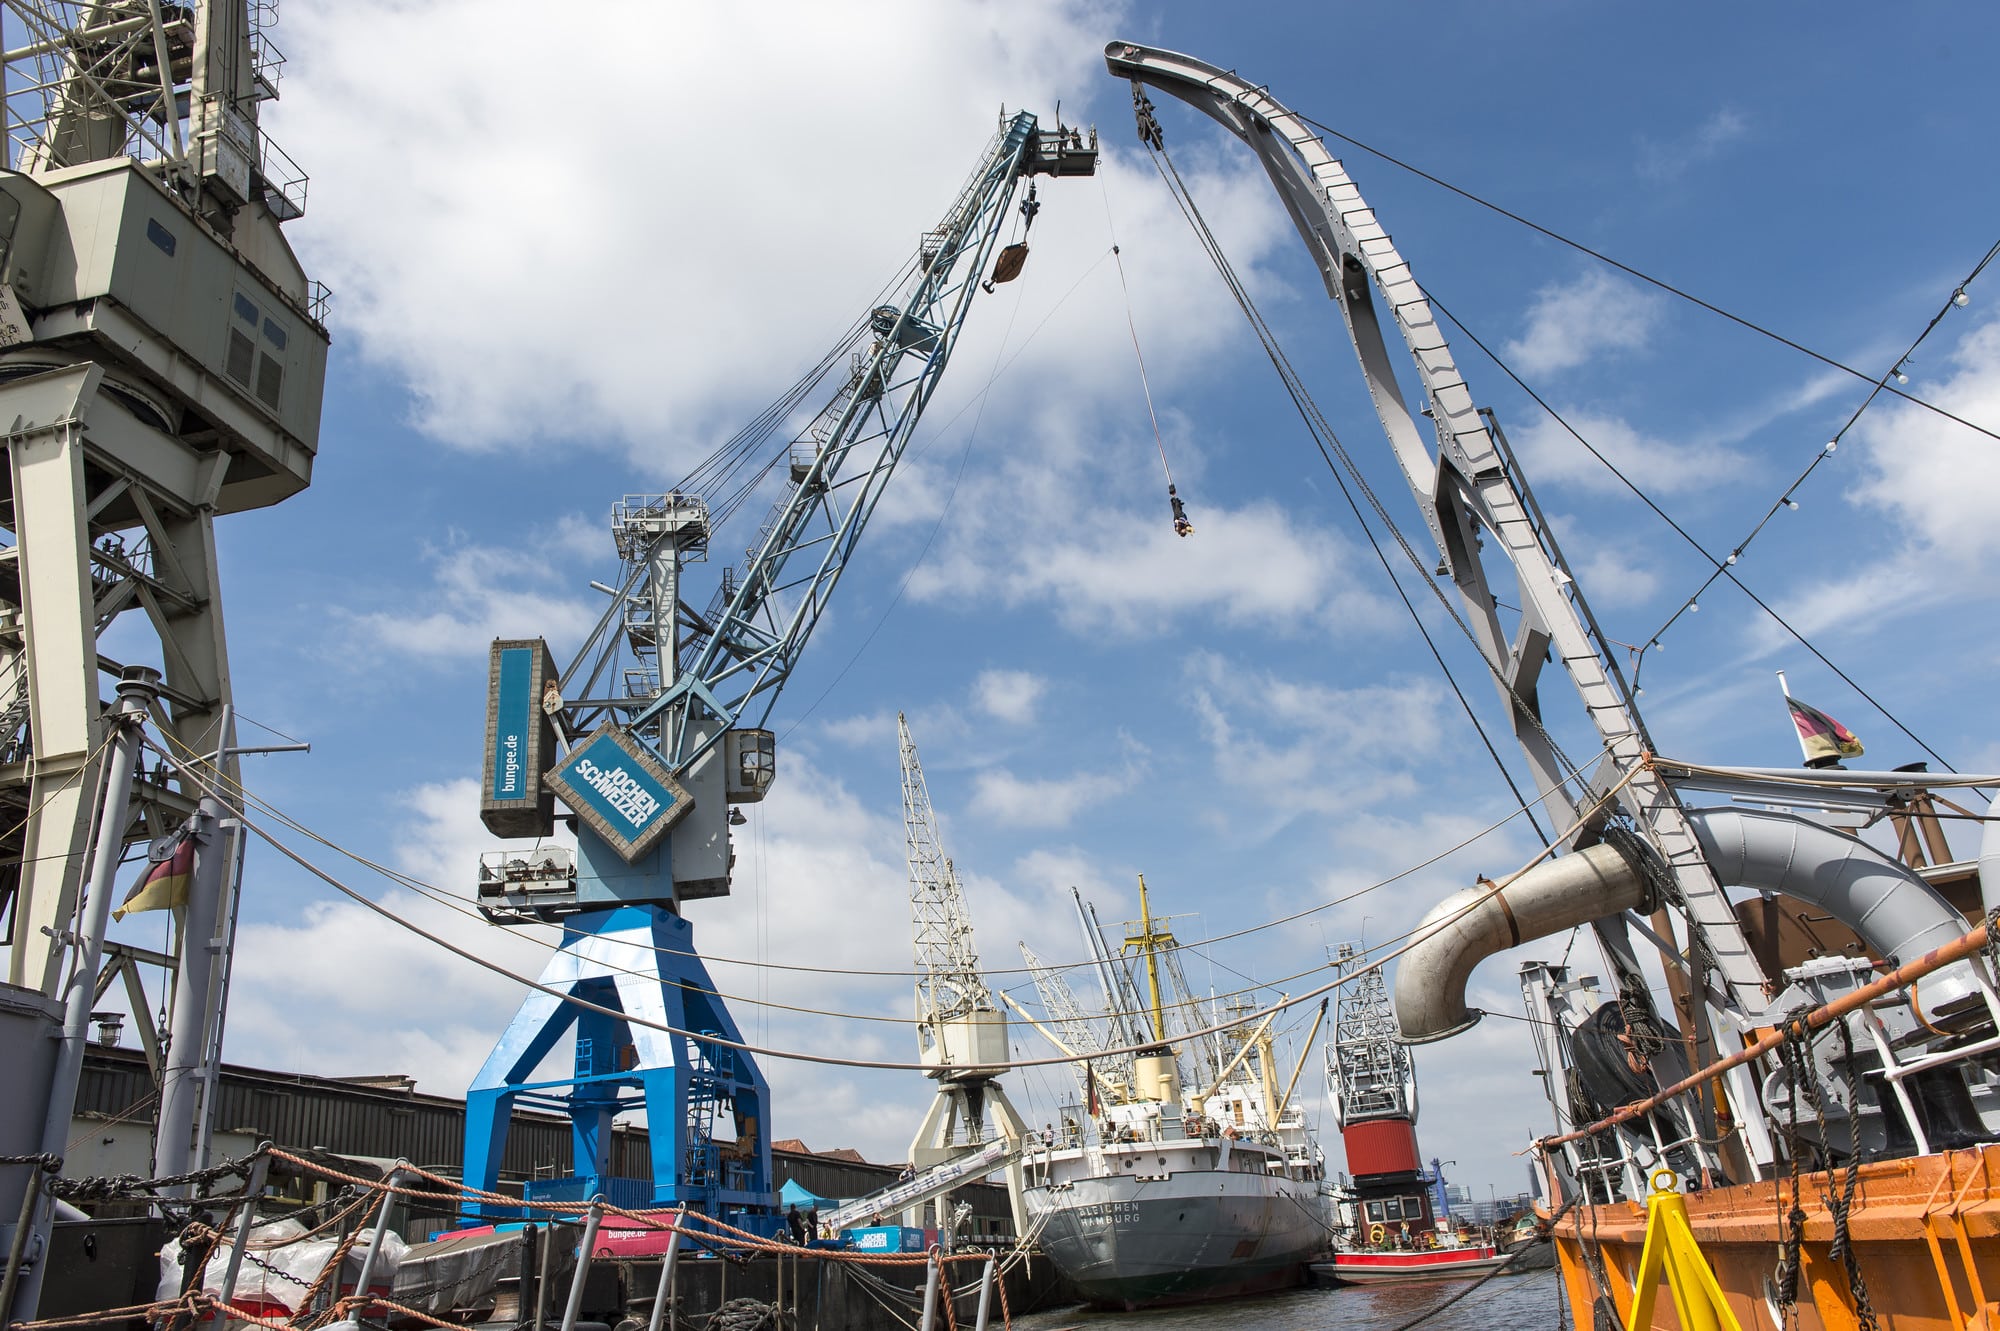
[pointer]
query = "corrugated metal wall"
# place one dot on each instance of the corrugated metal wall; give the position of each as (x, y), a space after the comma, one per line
(347, 1118)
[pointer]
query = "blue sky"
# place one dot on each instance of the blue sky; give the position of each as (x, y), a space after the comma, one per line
(546, 299)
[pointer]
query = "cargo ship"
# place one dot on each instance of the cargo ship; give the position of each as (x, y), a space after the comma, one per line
(1156, 1193)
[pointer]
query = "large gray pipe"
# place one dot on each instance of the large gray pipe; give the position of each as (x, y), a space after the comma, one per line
(1989, 859)
(1555, 895)
(1895, 912)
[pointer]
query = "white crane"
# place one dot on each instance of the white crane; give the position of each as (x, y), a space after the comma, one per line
(961, 1035)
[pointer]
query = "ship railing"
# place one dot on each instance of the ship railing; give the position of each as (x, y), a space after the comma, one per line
(1869, 1029)
(1890, 986)
(1621, 1160)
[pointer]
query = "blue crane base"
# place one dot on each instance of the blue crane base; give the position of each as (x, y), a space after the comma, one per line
(638, 962)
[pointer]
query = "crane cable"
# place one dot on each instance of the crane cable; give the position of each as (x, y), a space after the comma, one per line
(1329, 446)
(1182, 527)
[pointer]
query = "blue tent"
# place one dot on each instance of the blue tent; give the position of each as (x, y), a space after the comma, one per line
(793, 1195)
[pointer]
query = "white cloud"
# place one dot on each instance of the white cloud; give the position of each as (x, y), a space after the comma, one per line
(524, 269)
(1573, 323)
(1935, 480)
(1614, 579)
(382, 998)
(1009, 695)
(1045, 801)
(1657, 466)
(1666, 161)
(1307, 746)
(482, 592)
(1935, 477)
(1098, 566)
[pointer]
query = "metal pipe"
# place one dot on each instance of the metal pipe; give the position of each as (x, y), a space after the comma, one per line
(180, 1081)
(1469, 926)
(986, 1294)
(137, 689)
(542, 1273)
(1895, 912)
(18, 1250)
(1854, 999)
(252, 1188)
(218, 1005)
(1305, 1049)
(663, 1296)
(1989, 859)
(929, 1320)
(381, 1226)
(590, 1223)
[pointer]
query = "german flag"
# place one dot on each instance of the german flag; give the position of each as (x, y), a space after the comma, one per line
(164, 885)
(1825, 740)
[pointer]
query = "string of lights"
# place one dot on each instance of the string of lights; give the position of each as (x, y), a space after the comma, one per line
(1787, 500)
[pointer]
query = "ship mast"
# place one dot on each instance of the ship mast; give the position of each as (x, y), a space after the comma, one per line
(1149, 942)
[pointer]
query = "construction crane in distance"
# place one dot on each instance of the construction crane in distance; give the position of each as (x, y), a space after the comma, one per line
(961, 1035)
(655, 734)
(1112, 1073)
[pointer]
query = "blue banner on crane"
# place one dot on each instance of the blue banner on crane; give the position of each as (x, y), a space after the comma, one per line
(520, 739)
(622, 792)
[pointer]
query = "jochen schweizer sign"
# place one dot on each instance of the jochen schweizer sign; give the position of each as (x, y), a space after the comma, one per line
(621, 791)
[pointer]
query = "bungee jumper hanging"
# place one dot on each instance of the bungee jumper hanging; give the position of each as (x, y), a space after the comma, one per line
(1014, 256)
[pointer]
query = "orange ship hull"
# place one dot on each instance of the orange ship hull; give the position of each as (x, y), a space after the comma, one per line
(1926, 1231)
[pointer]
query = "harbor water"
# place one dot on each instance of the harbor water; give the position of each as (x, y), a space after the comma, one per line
(1505, 1303)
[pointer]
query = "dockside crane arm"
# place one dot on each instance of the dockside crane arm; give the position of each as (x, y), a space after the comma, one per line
(1467, 485)
(842, 463)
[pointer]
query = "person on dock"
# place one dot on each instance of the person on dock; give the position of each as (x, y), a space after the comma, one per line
(797, 1224)
(812, 1222)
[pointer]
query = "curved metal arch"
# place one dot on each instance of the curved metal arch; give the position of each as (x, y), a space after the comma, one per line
(1469, 480)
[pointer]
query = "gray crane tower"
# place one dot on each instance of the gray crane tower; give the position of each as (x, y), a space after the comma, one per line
(162, 356)
(961, 1035)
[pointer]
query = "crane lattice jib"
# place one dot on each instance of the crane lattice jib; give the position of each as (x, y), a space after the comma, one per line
(744, 662)
(1467, 483)
(948, 980)
(1067, 1016)
(1368, 1067)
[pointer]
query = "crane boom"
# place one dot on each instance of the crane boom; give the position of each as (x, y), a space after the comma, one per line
(1470, 492)
(949, 984)
(1060, 1002)
(744, 660)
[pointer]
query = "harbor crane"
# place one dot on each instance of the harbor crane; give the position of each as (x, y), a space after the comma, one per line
(162, 357)
(961, 1034)
(655, 734)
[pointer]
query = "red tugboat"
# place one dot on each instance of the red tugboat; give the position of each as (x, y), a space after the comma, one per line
(1397, 1227)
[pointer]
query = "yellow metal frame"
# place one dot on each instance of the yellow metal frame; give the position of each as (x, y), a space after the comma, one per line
(1671, 1248)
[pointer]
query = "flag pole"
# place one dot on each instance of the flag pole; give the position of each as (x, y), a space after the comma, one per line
(1786, 689)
